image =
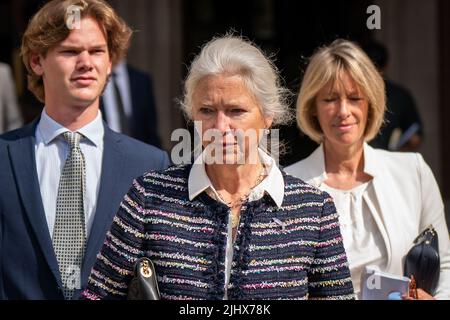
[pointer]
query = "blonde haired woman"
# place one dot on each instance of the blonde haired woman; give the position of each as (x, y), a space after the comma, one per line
(384, 199)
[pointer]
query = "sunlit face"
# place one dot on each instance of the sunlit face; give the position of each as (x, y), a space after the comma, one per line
(76, 70)
(342, 111)
(224, 105)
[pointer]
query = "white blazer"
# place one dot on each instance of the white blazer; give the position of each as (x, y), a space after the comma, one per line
(408, 199)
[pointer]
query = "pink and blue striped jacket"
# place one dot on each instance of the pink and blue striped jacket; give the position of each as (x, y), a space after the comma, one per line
(301, 258)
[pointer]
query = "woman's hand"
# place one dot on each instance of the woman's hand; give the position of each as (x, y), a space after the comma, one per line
(421, 295)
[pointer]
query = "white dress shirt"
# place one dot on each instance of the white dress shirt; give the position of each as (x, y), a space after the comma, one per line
(109, 97)
(273, 185)
(51, 153)
(363, 242)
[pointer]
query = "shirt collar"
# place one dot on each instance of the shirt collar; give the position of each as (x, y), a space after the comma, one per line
(273, 184)
(317, 160)
(50, 129)
(371, 163)
(120, 69)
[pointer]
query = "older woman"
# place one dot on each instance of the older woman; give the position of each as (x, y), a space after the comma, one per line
(384, 199)
(227, 229)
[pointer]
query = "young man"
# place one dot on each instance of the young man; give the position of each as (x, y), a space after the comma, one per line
(63, 176)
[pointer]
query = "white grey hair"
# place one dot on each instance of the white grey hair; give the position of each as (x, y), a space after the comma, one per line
(233, 55)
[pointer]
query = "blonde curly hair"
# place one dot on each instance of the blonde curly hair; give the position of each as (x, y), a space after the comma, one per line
(48, 28)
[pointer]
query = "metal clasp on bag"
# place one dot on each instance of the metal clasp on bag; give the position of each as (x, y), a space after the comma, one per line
(432, 231)
(423, 236)
(145, 269)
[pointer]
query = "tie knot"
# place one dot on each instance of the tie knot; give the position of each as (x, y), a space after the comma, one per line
(72, 138)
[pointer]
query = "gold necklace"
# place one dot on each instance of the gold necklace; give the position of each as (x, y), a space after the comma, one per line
(232, 205)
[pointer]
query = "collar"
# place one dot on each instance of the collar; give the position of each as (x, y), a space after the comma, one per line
(120, 69)
(50, 129)
(273, 183)
(317, 163)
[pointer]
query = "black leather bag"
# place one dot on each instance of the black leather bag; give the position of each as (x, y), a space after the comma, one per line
(144, 285)
(423, 262)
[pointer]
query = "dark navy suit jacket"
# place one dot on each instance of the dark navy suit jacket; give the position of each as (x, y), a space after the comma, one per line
(28, 265)
(143, 121)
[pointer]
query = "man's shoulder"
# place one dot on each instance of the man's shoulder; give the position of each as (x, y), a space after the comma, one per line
(137, 145)
(4, 69)
(128, 141)
(132, 71)
(136, 149)
(398, 92)
(22, 132)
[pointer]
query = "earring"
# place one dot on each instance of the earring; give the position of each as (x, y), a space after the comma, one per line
(267, 131)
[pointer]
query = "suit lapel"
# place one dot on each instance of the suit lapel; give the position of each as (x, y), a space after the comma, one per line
(23, 162)
(385, 197)
(379, 215)
(112, 170)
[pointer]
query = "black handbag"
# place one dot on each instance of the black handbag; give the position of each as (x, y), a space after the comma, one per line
(144, 285)
(423, 262)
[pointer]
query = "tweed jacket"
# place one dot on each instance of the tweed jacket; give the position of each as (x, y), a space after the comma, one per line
(292, 252)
